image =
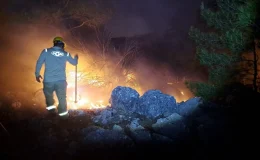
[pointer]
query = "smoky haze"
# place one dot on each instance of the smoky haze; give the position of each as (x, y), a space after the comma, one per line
(24, 44)
(21, 45)
(136, 17)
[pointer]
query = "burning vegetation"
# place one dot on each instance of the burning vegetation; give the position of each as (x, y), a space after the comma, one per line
(124, 89)
(104, 63)
(94, 88)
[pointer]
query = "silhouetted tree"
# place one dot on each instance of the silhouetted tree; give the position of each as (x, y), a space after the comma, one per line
(250, 67)
(65, 13)
(231, 34)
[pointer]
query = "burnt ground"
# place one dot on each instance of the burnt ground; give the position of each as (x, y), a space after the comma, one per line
(35, 136)
(29, 138)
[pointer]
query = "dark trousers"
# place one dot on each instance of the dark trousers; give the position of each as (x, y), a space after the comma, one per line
(60, 87)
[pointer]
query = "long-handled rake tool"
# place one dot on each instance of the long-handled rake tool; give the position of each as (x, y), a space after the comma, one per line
(76, 80)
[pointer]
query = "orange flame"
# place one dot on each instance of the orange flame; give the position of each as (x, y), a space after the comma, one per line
(84, 103)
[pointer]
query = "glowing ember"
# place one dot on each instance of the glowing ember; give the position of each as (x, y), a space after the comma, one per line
(83, 102)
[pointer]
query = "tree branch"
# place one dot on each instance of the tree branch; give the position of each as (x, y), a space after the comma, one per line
(66, 4)
(82, 24)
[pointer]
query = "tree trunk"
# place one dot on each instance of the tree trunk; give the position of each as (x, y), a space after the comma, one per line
(255, 68)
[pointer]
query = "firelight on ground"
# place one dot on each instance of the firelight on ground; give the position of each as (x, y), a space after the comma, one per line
(84, 103)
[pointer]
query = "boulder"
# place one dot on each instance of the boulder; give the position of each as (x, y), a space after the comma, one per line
(154, 103)
(104, 117)
(172, 126)
(117, 128)
(125, 99)
(109, 117)
(188, 107)
(138, 133)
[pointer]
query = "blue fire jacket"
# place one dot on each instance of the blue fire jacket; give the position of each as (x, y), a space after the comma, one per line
(55, 59)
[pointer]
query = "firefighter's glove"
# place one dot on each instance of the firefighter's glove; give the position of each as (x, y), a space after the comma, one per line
(76, 56)
(38, 78)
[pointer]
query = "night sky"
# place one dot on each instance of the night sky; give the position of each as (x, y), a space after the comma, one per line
(134, 17)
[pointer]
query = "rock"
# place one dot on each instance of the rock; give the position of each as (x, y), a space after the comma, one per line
(116, 119)
(98, 110)
(104, 117)
(188, 107)
(118, 128)
(138, 133)
(154, 103)
(146, 123)
(125, 99)
(107, 138)
(172, 126)
(168, 120)
(110, 116)
(134, 125)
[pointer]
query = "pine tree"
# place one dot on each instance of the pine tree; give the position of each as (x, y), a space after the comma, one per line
(230, 34)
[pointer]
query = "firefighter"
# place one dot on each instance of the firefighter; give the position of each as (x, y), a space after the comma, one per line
(55, 59)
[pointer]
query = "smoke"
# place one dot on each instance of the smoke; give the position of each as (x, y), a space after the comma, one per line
(23, 45)
(128, 27)
(160, 76)
(140, 17)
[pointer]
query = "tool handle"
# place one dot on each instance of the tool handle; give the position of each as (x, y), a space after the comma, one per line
(76, 80)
